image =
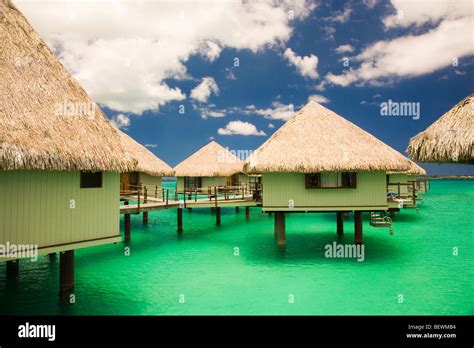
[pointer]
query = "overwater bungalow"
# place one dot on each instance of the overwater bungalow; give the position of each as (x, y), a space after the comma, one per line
(403, 189)
(60, 158)
(149, 171)
(320, 162)
(448, 140)
(212, 166)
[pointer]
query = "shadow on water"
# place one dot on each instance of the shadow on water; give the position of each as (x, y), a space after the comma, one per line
(310, 248)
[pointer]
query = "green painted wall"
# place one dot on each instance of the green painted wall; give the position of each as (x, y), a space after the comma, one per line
(280, 188)
(401, 178)
(150, 180)
(35, 208)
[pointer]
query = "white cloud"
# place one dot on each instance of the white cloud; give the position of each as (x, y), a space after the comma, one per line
(344, 48)
(210, 111)
(427, 11)
(306, 66)
(370, 3)
(120, 121)
(122, 52)
(278, 111)
(318, 98)
(271, 125)
(240, 128)
(151, 145)
(213, 50)
(203, 91)
(341, 16)
(413, 55)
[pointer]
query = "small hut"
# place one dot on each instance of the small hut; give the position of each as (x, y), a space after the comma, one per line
(318, 161)
(403, 189)
(448, 140)
(211, 166)
(60, 158)
(149, 170)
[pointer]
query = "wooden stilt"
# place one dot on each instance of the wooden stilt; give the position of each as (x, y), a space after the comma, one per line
(247, 213)
(180, 220)
(66, 273)
(127, 229)
(237, 209)
(145, 217)
(13, 269)
(392, 214)
(218, 215)
(340, 223)
(280, 228)
(52, 257)
(358, 227)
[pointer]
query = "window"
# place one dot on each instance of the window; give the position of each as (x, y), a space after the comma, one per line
(331, 180)
(349, 179)
(313, 180)
(91, 179)
(192, 182)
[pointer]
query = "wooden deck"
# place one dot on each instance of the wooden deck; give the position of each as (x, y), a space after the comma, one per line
(157, 204)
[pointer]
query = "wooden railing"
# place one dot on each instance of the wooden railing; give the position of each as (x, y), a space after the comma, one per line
(145, 193)
(411, 190)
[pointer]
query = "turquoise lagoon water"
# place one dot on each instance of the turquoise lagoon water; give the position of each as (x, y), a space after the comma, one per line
(416, 262)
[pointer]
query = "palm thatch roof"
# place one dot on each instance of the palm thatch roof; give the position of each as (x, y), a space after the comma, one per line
(318, 140)
(414, 170)
(211, 160)
(147, 162)
(448, 140)
(47, 121)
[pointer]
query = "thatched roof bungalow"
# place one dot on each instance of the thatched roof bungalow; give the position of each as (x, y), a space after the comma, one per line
(149, 169)
(59, 156)
(402, 187)
(211, 166)
(319, 161)
(448, 140)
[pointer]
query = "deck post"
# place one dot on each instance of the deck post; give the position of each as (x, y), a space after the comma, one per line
(52, 257)
(66, 273)
(13, 269)
(280, 228)
(358, 227)
(392, 213)
(145, 217)
(237, 209)
(218, 215)
(247, 213)
(180, 220)
(127, 229)
(340, 223)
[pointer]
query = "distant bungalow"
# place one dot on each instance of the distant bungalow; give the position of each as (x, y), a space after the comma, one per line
(209, 167)
(403, 189)
(318, 161)
(60, 158)
(149, 170)
(448, 140)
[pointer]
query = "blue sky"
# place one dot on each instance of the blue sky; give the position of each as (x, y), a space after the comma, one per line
(286, 53)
